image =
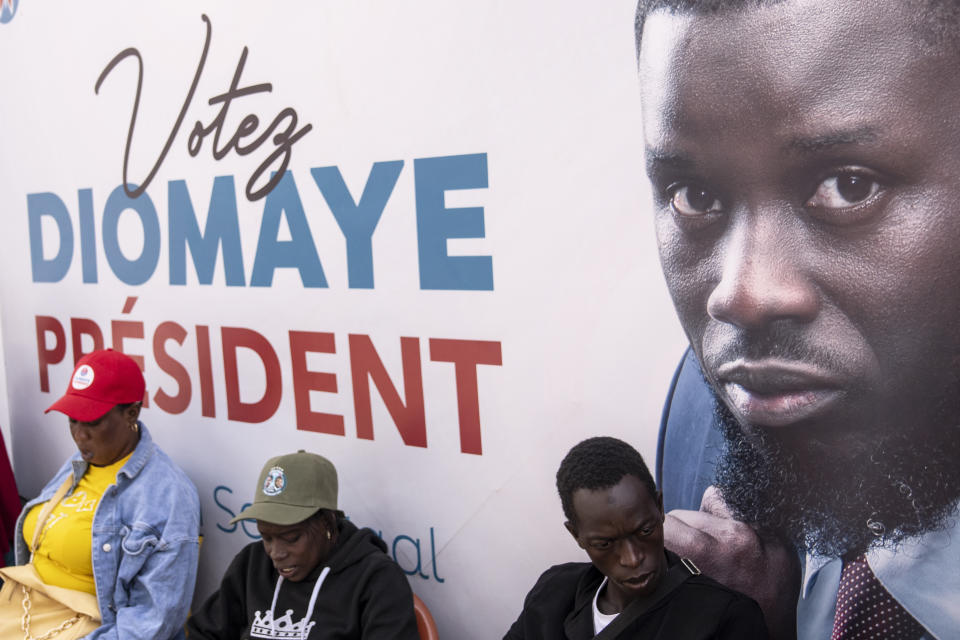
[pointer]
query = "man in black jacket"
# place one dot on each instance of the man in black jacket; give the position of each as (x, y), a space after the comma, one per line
(632, 588)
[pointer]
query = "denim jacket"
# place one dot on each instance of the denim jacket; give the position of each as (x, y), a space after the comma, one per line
(145, 544)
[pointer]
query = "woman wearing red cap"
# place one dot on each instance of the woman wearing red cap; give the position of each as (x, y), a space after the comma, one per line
(109, 547)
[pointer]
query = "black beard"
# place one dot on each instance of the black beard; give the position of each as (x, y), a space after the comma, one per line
(839, 503)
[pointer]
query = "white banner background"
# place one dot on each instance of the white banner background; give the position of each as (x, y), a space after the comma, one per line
(587, 333)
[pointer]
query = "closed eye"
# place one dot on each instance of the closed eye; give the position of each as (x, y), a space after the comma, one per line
(88, 425)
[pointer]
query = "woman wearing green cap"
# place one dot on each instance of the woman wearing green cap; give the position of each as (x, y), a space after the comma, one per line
(314, 576)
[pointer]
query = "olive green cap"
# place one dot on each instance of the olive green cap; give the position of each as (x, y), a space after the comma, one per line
(292, 488)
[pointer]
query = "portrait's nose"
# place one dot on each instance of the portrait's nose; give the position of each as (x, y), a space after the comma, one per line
(761, 277)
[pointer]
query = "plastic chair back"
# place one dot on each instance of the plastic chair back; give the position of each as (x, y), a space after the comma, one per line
(425, 623)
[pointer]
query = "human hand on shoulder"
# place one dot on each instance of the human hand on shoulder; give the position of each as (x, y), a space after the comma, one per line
(732, 553)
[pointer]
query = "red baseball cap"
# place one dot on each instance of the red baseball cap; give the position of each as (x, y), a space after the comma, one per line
(102, 380)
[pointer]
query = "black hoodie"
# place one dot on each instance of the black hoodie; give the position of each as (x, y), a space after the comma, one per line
(365, 595)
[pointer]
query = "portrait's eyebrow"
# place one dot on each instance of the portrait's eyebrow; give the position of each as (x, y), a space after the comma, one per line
(659, 160)
(831, 140)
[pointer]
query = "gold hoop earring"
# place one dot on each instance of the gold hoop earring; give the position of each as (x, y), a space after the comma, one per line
(134, 427)
(329, 537)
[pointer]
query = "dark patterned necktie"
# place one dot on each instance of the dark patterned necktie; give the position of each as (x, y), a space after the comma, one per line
(866, 611)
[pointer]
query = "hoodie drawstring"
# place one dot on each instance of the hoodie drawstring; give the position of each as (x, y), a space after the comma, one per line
(306, 622)
(313, 599)
(273, 605)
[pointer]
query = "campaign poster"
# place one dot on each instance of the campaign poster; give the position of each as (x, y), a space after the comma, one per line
(415, 238)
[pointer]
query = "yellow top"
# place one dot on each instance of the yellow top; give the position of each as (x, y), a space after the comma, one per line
(63, 556)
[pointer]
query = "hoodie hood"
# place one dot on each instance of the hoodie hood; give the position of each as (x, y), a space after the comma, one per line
(353, 545)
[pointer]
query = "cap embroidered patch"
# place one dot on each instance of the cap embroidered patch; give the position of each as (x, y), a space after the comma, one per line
(83, 377)
(275, 482)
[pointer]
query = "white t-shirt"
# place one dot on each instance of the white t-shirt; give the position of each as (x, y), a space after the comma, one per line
(601, 620)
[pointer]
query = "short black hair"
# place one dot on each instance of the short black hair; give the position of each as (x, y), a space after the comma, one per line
(599, 463)
(936, 22)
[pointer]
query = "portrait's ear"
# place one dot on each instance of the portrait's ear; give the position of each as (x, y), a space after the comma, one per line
(660, 505)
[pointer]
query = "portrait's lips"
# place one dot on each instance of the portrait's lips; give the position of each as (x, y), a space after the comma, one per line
(777, 393)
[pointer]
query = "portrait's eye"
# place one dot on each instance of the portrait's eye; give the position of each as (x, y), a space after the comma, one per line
(693, 200)
(844, 190)
(600, 545)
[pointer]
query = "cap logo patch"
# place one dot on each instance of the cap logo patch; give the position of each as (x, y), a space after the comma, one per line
(275, 482)
(83, 377)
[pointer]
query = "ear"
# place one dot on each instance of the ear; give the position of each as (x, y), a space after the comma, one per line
(659, 499)
(573, 532)
(132, 412)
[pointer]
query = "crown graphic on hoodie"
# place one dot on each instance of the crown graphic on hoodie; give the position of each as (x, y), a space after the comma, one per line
(264, 626)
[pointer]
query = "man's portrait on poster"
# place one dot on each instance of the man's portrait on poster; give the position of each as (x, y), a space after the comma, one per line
(804, 159)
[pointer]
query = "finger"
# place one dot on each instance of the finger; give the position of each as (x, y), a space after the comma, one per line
(699, 546)
(697, 529)
(705, 522)
(713, 503)
(684, 538)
